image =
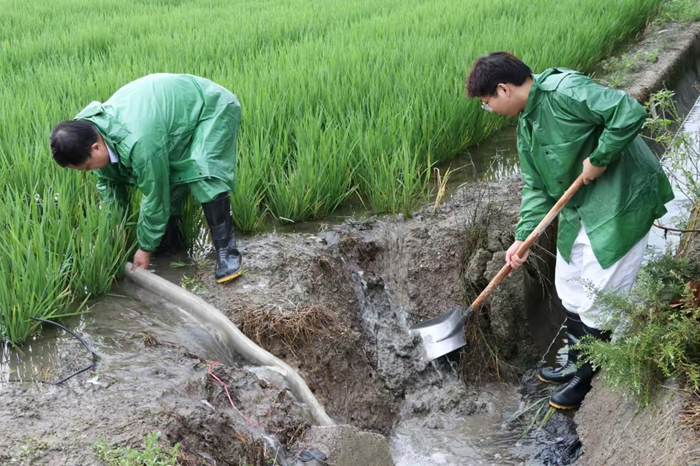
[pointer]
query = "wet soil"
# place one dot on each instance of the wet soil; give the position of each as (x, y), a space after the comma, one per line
(370, 281)
(148, 379)
(338, 305)
(611, 428)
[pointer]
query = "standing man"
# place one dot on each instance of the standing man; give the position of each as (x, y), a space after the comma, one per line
(168, 135)
(569, 125)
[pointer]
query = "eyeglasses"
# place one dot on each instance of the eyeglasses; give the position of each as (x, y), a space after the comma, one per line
(485, 105)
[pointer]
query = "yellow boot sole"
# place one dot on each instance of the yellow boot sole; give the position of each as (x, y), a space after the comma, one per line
(232, 276)
(542, 379)
(562, 407)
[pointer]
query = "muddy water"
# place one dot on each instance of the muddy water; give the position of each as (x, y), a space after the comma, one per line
(492, 160)
(486, 438)
(115, 326)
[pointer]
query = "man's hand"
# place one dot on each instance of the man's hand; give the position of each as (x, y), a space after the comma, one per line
(512, 259)
(141, 259)
(591, 172)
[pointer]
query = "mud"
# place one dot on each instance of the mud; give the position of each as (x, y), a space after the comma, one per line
(614, 431)
(338, 306)
(373, 279)
(147, 380)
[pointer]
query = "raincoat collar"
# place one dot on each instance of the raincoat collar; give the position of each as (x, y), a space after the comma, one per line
(540, 82)
(532, 96)
(111, 129)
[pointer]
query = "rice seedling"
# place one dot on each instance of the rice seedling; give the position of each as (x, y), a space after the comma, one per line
(339, 98)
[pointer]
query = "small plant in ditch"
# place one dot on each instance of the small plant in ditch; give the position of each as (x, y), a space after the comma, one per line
(193, 285)
(151, 453)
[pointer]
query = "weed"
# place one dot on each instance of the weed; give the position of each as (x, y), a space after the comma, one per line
(193, 285)
(152, 453)
(684, 11)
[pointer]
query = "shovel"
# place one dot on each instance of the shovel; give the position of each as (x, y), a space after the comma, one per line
(445, 334)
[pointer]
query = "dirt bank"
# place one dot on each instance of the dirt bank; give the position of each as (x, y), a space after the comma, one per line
(658, 59)
(613, 432)
(337, 305)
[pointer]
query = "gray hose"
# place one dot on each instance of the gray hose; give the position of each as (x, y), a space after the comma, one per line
(240, 343)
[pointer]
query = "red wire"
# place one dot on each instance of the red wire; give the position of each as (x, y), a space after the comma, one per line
(227, 393)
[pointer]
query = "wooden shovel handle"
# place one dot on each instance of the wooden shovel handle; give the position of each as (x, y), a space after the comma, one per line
(573, 189)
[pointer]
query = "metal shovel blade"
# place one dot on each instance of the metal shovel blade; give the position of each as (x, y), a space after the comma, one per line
(443, 334)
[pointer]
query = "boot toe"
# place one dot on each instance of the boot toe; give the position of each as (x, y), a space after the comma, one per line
(233, 269)
(557, 375)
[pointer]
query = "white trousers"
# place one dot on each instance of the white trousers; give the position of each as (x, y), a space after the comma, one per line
(573, 278)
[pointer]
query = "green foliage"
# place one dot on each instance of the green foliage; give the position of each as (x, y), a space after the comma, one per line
(684, 11)
(654, 339)
(193, 285)
(618, 68)
(151, 455)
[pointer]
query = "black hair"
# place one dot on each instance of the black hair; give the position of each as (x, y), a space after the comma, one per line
(493, 69)
(71, 142)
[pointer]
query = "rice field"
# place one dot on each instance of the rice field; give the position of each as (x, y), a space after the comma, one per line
(340, 98)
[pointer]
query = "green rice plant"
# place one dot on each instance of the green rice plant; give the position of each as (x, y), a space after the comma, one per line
(338, 97)
(35, 267)
(402, 179)
(194, 224)
(99, 247)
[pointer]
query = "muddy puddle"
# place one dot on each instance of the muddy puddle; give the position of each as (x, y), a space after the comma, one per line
(487, 438)
(116, 326)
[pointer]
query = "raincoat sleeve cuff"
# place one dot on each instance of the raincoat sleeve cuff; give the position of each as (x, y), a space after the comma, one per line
(147, 248)
(521, 235)
(598, 159)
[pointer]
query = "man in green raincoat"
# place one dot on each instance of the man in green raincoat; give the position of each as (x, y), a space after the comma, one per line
(569, 125)
(168, 135)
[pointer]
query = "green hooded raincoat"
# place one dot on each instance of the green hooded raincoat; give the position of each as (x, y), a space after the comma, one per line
(568, 118)
(168, 130)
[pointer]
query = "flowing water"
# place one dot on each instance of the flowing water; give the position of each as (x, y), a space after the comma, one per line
(486, 438)
(114, 326)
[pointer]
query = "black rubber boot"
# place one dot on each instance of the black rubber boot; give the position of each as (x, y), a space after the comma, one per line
(576, 390)
(173, 240)
(563, 374)
(229, 262)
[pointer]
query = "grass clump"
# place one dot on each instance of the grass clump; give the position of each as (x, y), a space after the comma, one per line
(684, 11)
(151, 454)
